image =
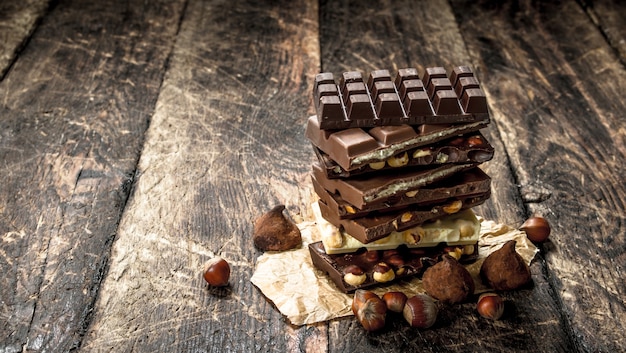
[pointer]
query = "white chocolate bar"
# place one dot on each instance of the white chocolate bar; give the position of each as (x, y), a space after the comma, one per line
(462, 228)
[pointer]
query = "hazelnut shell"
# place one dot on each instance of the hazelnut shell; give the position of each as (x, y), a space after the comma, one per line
(371, 313)
(420, 311)
(537, 229)
(216, 272)
(490, 306)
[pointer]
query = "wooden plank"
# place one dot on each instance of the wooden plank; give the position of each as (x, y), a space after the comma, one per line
(18, 19)
(74, 110)
(610, 17)
(225, 145)
(396, 34)
(556, 88)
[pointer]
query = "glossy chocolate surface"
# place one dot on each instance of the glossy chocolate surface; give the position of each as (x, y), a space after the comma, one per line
(357, 147)
(469, 148)
(470, 182)
(378, 225)
(436, 98)
(407, 263)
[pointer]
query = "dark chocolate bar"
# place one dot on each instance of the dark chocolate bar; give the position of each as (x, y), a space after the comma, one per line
(366, 191)
(356, 147)
(378, 225)
(469, 148)
(406, 263)
(435, 99)
(473, 181)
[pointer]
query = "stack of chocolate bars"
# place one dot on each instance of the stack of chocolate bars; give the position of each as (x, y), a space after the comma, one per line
(397, 172)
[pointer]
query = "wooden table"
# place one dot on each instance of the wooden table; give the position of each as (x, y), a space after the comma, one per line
(140, 138)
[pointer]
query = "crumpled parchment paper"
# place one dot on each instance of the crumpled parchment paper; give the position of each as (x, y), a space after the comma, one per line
(306, 295)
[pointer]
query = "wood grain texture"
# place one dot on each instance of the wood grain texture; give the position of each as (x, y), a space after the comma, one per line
(225, 145)
(610, 17)
(556, 88)
(74, 109)
(396, 34)
(18, 19)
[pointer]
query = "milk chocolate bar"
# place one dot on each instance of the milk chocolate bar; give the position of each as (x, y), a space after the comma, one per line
(433, 99)
(469, 148)
(376, 190)
(405, 262)
(357, 147)
(473, 181)
(379, 225)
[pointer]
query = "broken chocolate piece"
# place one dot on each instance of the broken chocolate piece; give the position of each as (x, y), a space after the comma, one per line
(379, 225)
(354, 148)
(406, 263)
(461, 149)
(473, 181)
(365, 191)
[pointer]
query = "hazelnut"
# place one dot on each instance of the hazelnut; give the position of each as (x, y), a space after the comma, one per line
(490, 306)
(505, 269)
(354, 275)
(377, 165)
(274, 232)
(349, 209)
(411, 193)
(216, 272)
(456, 253)
(466, 228)
(360, 296)
(453, 207)
(398, 161)
(383, 273)
(469, 249)
(420, 311)
(369, 309)
(413, 236)
(448, 281)
(395, 301)
(442, 157)
(475, 140)
(406, 217)
(372, 255)
(422, 153)
(537, 229)
(396, 260)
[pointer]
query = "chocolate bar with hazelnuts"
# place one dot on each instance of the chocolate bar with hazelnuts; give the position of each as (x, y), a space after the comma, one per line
(365, 269)
(469, 148)
(379, 225)
(470, 182)
(383, 189)
(356, 148)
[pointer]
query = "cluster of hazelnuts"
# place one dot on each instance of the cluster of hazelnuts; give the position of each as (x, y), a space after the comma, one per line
(447, 281)
(450, 283)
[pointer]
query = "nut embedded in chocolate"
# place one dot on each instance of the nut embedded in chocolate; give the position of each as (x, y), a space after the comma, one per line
(505, 269)
(274, 232)
(448, 281)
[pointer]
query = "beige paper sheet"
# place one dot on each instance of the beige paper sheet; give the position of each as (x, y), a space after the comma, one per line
(306, 295)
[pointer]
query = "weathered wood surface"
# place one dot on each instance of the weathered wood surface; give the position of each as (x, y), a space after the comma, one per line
(73, 108)
(560, 109)
(18, 19)
(610, 17)
(224, 143)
